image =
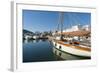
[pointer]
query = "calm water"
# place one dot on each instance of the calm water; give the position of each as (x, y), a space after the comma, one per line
(38, 50)
(41, 50)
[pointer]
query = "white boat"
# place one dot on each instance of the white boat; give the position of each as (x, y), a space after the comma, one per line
(78, 50)
(64, 45)
(72, 45)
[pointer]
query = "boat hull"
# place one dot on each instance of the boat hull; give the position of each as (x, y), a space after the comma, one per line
(71, 50)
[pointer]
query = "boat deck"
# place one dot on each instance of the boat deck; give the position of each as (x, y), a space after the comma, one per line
(74, 46)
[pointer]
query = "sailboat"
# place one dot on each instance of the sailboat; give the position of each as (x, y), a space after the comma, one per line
(74, 41)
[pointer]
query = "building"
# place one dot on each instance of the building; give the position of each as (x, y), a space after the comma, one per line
(87, 27)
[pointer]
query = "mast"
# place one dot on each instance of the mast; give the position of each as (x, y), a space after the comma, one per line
(61, 23)
(57, 28)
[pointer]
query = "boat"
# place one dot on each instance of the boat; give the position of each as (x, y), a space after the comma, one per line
(73, 42)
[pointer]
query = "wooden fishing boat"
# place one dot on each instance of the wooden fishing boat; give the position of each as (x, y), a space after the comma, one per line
(65, 42)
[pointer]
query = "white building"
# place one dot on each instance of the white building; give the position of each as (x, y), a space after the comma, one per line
(77, 28)
(73, 28)
(86, 27)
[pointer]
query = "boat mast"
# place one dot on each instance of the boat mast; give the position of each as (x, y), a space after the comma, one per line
(58, 23)
(61, 23)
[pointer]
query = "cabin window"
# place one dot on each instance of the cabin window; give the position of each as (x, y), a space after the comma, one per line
(55, 52)
(60, 54)
(55, 44)
(59, 47)
(86, 37)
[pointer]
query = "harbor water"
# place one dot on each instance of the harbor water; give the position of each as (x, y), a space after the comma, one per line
(41, 50)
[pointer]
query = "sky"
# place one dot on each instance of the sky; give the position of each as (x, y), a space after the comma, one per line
(48, 20)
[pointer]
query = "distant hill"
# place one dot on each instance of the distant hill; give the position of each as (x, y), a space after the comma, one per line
(27, 31)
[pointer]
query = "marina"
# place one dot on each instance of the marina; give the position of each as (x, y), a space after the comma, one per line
(60, 44)
(43, 50)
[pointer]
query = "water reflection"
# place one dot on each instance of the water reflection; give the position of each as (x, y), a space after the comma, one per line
(38, 50)
(31, 41)
(43, 50)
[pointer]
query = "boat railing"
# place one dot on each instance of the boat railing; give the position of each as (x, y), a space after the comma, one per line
(76, 43)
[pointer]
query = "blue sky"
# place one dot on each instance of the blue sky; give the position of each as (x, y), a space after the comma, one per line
(48, 20)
